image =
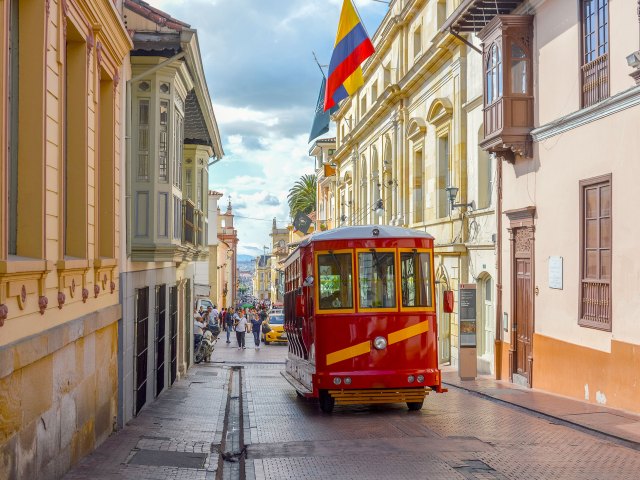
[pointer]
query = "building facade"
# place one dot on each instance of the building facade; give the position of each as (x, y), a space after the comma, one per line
(279, 253)
(60, 133)
(566, 245)
(227, 259)
(262, 278)
(172, 136)
(407, 155)
(322, 151)
(211, 264)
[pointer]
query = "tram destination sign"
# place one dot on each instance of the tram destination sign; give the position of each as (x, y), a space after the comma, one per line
(467, 314)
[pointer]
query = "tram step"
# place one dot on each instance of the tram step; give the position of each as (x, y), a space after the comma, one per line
(356, 397)
(296, 384)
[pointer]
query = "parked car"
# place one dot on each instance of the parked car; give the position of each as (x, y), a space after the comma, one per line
(204, 302)
(277, 333)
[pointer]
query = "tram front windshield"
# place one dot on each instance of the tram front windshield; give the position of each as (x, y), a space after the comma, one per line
(336, 282)
(377, 280)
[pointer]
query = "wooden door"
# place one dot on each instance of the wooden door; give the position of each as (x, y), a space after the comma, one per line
(524, 317)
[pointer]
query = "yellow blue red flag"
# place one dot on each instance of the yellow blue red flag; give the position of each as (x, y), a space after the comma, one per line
(351, 49)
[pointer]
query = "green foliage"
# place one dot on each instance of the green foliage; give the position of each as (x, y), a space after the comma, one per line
(302, 196)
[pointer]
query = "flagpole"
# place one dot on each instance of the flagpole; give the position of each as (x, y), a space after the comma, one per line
(318, 63)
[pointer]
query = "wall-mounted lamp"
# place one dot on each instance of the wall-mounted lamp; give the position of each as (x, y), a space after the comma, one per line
(452, 193)
(378, 208)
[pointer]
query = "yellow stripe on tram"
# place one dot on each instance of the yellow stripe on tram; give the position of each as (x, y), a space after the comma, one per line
(349, 352)
(408, 332)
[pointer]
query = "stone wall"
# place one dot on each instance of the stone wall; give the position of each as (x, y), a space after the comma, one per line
(58, 396)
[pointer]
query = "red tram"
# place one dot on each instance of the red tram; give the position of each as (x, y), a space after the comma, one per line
(360, 317)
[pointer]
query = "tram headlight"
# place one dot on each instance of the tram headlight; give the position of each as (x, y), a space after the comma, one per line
(411, 379)
(380, 343)
(420, 378)
(337, 380)
(347, 380)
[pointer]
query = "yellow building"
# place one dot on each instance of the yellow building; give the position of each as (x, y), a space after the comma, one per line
(279, 252)
(60, 133)
(172, 137)
(262, 278)
(407, 140)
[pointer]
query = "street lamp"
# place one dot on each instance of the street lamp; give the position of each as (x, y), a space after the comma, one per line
(452, 193)
(378, 208)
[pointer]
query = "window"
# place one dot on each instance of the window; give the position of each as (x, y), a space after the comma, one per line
(519, 62)
(13, 91)
(163, 220)
(417, 41)
(387, 76)
(374, 92)
(188, 183)
(417, 187)
(494, 75)
(199, 190)
(443, 175)
(178, 138)
(331, 151)
(177, 218)
(595, 41)
(377, 279)
(363, 105)
(106, 169)
(75, 144)
(335, 272)
(415, 279)
(143, 139)
(163, 148)
(595, 207)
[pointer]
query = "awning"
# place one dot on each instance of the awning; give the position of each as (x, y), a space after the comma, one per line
(473, 15)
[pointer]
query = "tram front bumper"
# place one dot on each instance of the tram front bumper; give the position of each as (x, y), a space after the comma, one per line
(388, 395)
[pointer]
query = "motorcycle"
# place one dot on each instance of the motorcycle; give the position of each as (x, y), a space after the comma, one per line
(205, 348)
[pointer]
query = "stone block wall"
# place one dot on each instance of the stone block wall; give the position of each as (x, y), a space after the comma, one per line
(58, 396)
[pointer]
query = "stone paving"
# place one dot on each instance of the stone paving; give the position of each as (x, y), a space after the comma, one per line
(457, 435)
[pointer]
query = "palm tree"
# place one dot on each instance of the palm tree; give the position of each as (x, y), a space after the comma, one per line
(302, 196)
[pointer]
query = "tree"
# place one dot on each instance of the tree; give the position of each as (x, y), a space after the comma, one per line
(302, 196)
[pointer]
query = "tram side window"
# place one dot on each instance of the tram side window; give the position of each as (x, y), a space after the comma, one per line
(377, 279)
(416, 279)
(336, 281)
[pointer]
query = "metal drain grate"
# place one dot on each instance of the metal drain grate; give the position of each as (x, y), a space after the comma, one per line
(159, 458)
(477, 470)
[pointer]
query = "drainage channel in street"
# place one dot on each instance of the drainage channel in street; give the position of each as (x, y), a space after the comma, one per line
(231, 462)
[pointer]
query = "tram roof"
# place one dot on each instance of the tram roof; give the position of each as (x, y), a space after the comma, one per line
(363, 232)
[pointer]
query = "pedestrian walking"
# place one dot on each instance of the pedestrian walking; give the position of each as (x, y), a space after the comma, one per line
(256, 327)
(229, 322)
(241, 330)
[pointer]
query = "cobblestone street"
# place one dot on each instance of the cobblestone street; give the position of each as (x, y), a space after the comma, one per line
(196, 430)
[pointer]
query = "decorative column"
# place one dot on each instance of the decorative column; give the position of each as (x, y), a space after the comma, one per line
(394, 171)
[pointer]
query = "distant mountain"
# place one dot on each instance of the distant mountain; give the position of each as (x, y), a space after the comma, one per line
(246, 258)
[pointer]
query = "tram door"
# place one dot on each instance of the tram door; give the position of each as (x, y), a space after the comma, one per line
(142, 346)
(444, 328)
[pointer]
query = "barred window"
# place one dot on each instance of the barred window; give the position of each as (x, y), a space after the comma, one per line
(143, 139)
(595, 51)
(163, 149)
(595, 249)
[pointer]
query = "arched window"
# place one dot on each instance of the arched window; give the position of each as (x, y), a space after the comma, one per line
(494, 75)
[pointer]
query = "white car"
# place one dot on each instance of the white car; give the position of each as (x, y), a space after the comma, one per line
(204, 302)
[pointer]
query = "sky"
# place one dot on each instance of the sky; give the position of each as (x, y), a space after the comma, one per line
(264, 85)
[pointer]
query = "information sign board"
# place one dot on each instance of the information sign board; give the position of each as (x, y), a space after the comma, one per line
(467, 314)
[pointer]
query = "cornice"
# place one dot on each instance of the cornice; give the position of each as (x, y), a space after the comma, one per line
(108, 24)
(622, 101)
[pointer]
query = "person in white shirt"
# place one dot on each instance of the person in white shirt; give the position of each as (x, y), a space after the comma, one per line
(241, 329)
(198, 325)
(215, 313)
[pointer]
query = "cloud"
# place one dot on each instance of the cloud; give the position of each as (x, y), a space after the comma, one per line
(270, 200)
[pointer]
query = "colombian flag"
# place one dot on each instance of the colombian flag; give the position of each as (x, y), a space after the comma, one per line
(352, 47)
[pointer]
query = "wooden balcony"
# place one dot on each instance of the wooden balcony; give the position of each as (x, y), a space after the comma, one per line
(595, 81)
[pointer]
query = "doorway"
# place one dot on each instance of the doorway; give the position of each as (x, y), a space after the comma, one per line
(444, 324)
(142, 346)
(486, 325)
(523, 321)
(161, 299)
(173, 333)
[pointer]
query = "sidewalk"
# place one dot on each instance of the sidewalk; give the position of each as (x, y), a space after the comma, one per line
(619, 424)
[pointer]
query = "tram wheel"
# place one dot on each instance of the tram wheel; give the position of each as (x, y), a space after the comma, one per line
(414, 406)
(327, 402)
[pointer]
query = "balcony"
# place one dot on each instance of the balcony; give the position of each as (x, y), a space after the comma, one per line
(595, 81)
